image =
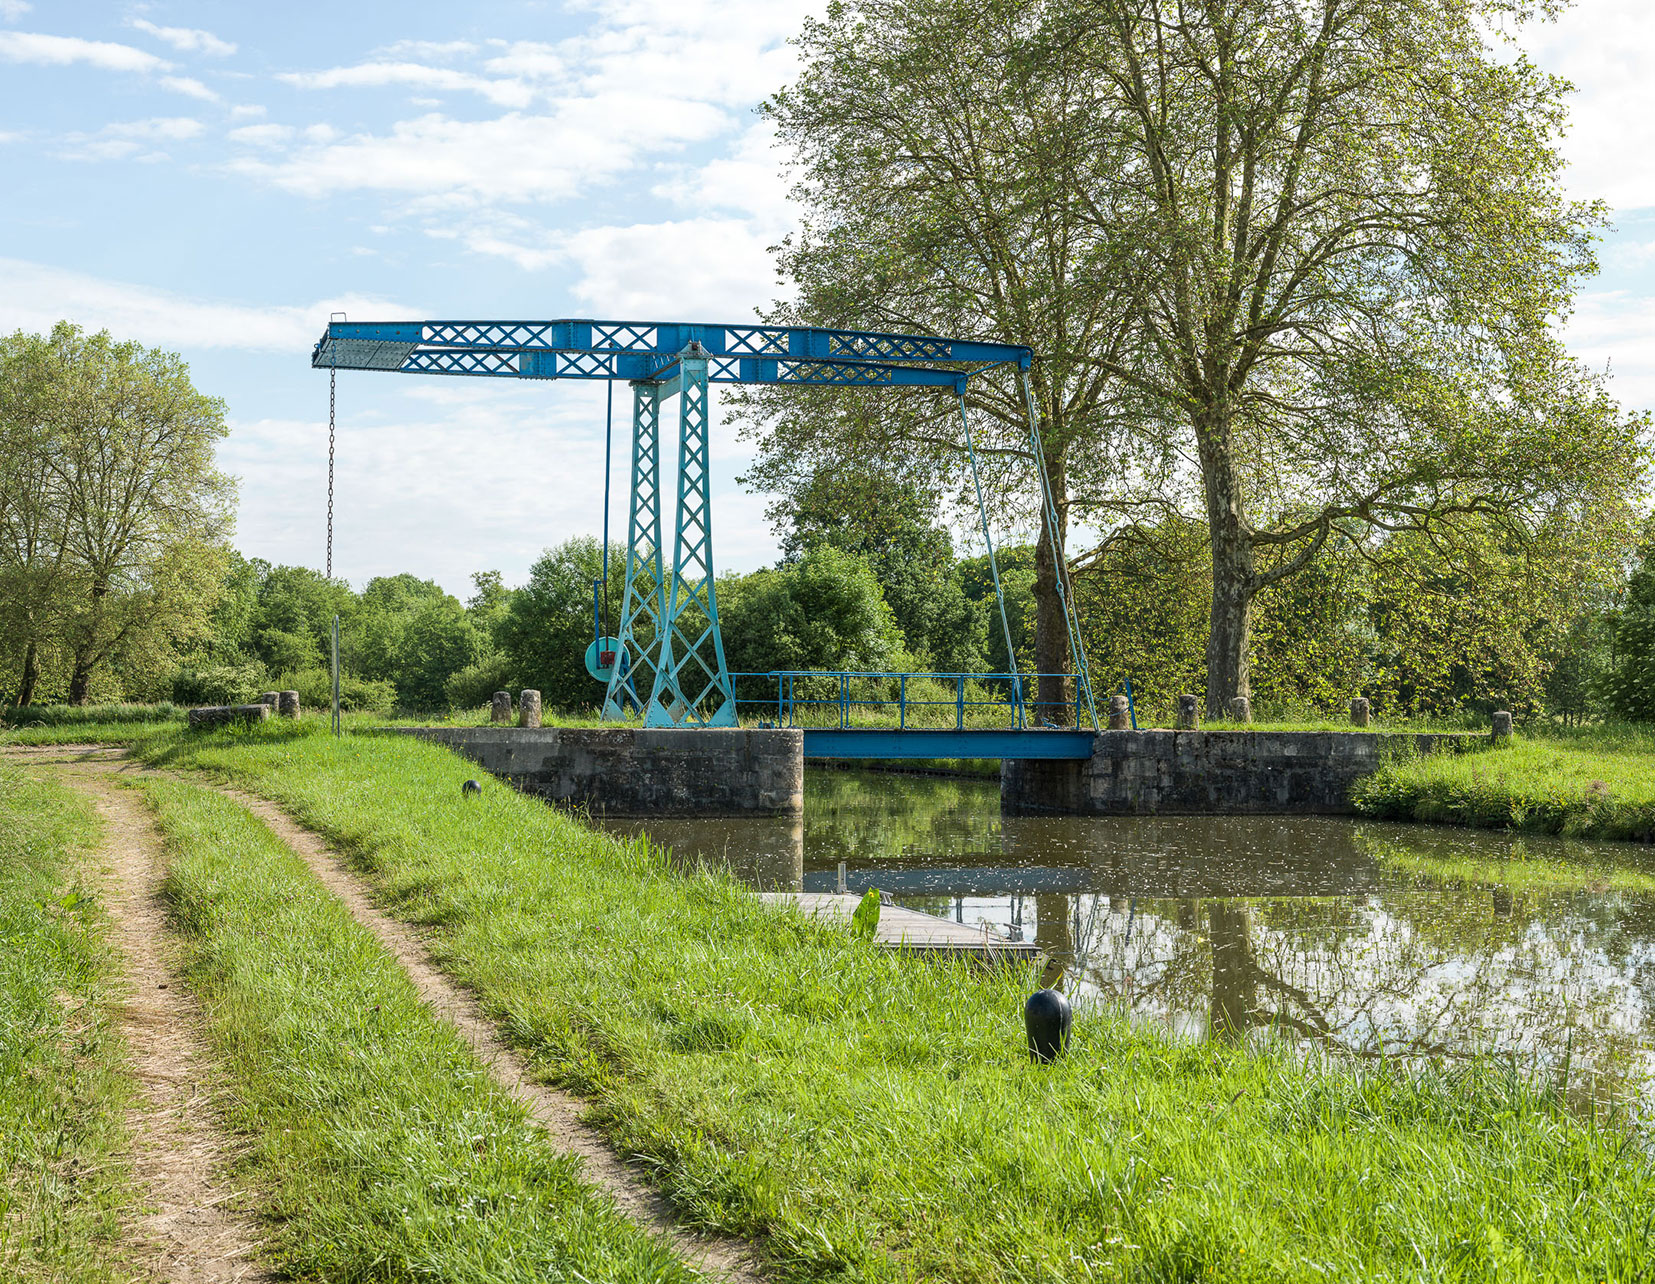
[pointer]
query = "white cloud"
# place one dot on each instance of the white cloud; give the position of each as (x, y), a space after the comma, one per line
(12, 10)
(706, 268)
(246, 111)
(271, 135)
(61, 51)
(374, 75)
(1606, 48)
(418, 49)
(511, 158)
(1615, 330)
(186, 39)
(34, 296)
(134, 138)
(190, 87)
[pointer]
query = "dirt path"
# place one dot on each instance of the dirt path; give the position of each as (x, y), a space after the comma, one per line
(191, 1231)
(557, 1112)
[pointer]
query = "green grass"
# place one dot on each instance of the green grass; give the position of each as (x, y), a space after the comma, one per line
(382, 1149)
(99, 723)
(1595, 784)
(878, 1119)
(64, 1177)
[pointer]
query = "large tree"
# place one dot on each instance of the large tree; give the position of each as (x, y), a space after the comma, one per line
(123, 490)
(1294, 267)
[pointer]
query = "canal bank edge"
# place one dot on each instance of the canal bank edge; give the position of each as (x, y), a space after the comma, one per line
(1217, 772)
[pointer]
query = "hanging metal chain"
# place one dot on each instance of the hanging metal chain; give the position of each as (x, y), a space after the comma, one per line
(333, 378)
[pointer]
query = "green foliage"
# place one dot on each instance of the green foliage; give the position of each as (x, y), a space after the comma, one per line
(894, 528)
(476, 684)
(356, 695)
(113, 518)
(220, 684)
(823, 611)
(1629, 686)
(547, 624)
(1016, 565)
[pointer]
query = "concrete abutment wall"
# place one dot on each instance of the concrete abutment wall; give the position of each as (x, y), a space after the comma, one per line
(627, 771)
(1215, 772)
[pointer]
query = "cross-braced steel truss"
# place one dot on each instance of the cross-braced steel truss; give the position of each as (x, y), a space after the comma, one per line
(644, 599)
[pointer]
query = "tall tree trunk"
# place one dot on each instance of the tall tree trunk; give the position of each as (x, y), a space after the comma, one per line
(1235, 577)
(80, 680)
(1051, 631)
(31, 674)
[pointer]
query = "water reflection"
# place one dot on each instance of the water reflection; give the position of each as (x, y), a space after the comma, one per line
(1375, 939)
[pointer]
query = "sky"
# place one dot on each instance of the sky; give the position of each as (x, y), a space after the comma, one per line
(218, 178)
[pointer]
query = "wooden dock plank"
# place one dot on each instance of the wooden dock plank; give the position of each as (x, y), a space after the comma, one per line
(901, 928)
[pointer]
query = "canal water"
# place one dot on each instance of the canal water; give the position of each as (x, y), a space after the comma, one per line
(1377, 939)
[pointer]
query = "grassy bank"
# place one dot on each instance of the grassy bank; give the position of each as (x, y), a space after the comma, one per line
(382, 1149)
(63, 1175)
(1596, 784)
(878, 1119)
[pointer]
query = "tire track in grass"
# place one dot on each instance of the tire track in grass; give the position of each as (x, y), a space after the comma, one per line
(193, 1233)
(559, 1113)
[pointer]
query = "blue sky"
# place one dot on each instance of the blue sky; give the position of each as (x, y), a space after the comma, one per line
(217, 178)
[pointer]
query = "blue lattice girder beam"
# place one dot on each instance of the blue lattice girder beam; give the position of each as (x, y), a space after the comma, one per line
(636, 349)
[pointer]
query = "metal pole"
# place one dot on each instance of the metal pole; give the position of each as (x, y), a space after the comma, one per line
(608, 441)
(336, 675)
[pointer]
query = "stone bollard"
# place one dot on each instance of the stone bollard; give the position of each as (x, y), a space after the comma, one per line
(1502, 728)
(1241, 709)
(500, 708)
(1359, 712)
(1189, 713)
(1120, 714)
(528, 708)
(287, 704)
(271, 698)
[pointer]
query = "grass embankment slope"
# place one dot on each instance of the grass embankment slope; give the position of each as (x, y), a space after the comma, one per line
(1594, 784)
(878, 1119)
(64, 1179)
(382, 1148)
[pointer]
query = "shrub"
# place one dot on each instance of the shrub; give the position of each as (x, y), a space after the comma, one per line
(356, 695)
(476, 684)
(219, 683)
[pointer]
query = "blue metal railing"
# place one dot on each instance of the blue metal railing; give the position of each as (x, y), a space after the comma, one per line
(846, 699)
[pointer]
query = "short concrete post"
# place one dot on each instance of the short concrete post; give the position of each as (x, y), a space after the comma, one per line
(1359, 712)
(1502, 728)
(528, 708)
(1120, 714)
(1241, 709)
(287, 704)
(500, 708)
(1189, 713)
(270, 698)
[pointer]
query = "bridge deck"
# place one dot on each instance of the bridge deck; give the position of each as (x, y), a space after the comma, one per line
(889, 742)
(912, 930)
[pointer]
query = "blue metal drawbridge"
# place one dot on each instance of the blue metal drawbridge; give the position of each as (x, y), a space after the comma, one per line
(670, 655)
